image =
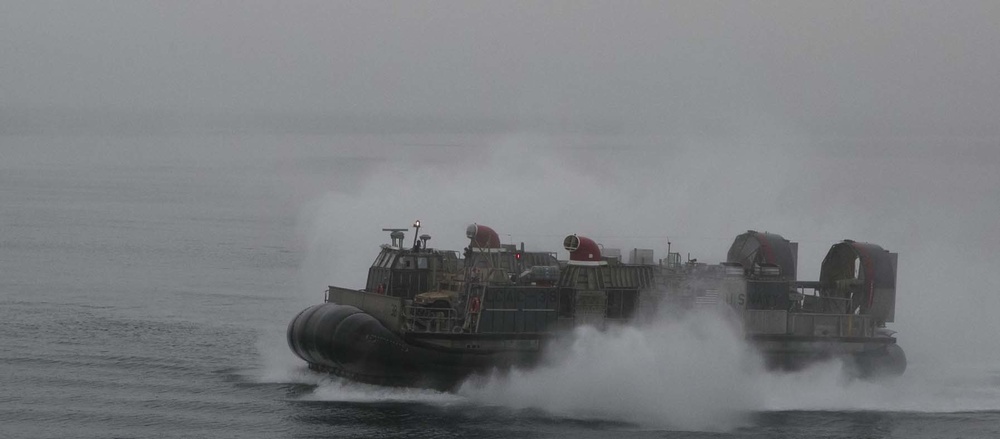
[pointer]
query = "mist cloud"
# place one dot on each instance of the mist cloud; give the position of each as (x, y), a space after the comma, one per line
(634, 124)
(837, 70)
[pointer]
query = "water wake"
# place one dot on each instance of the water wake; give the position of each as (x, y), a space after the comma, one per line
(698, 373)
(692, 373)
(341, 390)
(928, 388)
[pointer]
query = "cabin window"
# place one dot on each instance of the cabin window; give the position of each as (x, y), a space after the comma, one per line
(387, 262)
(405, 262)
(422, 263)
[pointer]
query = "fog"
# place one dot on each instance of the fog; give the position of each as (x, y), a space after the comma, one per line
(840, 70)
(935, 211)
(635, 124)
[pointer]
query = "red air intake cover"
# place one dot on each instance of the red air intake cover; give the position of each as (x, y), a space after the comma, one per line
(482, 236)
(582, 250)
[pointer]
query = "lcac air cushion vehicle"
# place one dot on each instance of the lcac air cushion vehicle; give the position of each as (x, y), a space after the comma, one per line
(429, 317)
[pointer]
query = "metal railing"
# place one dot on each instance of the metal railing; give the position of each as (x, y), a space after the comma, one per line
(831, 325)
(807, 324)
(424, 319)
(765, 321)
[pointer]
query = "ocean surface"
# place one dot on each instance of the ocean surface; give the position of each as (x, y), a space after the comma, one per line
(145, 284)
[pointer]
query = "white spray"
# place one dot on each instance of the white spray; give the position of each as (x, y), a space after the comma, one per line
(692, 373)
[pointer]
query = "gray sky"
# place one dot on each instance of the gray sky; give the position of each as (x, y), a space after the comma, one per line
(625, 120)
(826, 69)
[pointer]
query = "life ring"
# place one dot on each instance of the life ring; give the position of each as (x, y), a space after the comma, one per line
(474, 305)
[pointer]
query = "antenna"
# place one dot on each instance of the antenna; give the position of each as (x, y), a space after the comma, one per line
(396, 236)
(416, 232)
